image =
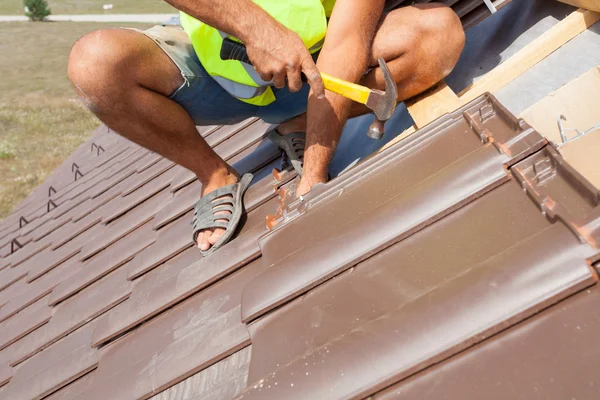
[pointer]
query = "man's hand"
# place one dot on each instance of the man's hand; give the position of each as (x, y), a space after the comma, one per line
(345, 55)
(278, 53)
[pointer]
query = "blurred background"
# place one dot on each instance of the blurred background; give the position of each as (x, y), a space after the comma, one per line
(41, 119)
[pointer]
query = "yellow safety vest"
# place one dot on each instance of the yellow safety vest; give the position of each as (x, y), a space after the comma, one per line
(308, 18)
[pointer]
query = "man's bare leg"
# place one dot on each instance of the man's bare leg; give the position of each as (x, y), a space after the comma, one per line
(421, 45)
(125, 79)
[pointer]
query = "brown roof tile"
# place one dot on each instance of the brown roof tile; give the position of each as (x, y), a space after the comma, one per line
(104, 262)
(74, 313)
(24, 322)
(12, 291)
(398, 202)
(5, 374)
(48, 260)
(8, 276)
(549, 357)
(171, 240)
(223, 380)
(39, 288)
(502, 233)
(175, 281)
(74, 389)
(443, 241)
(191, 336)
(130, 221)
(54, 368)
(131, 200)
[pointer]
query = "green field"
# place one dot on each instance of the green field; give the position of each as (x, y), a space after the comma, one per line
(15, 7)
(41, 120)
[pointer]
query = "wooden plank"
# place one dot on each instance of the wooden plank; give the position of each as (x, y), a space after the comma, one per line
(593, 5)
(432, 104)
(582, 154)
(555, 37)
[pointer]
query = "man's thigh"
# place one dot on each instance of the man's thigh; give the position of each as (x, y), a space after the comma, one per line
(200, 95)
(205, 100)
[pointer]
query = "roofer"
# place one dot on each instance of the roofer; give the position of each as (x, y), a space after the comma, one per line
(155, 86)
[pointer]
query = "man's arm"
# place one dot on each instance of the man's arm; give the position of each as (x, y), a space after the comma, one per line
(345, 54)
(275, 51)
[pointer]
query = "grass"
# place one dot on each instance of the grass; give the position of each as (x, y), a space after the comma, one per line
(15, 7)
(41, 120)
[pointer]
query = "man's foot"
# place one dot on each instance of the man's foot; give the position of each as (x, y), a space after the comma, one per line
(307, 182)
(209, 237)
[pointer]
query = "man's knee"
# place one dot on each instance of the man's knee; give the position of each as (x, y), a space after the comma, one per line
(446, 30)
(97, 66)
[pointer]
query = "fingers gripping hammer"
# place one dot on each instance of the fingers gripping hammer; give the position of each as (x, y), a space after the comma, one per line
(383, 103)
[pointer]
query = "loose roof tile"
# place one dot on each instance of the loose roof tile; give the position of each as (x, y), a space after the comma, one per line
(562, 193)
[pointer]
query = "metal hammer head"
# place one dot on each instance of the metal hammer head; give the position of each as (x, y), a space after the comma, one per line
(383, 104)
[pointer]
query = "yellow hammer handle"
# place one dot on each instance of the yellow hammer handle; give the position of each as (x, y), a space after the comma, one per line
(349, 90)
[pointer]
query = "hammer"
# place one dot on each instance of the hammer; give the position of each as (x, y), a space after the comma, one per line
(383, 103)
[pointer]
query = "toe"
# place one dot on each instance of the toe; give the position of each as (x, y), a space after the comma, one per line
(216, 235)
(203, 243)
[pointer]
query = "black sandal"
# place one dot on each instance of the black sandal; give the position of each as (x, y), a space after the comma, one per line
(293, 144)
(226, 198)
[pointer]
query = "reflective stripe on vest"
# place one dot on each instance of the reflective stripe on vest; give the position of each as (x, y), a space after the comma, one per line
(305, 17)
